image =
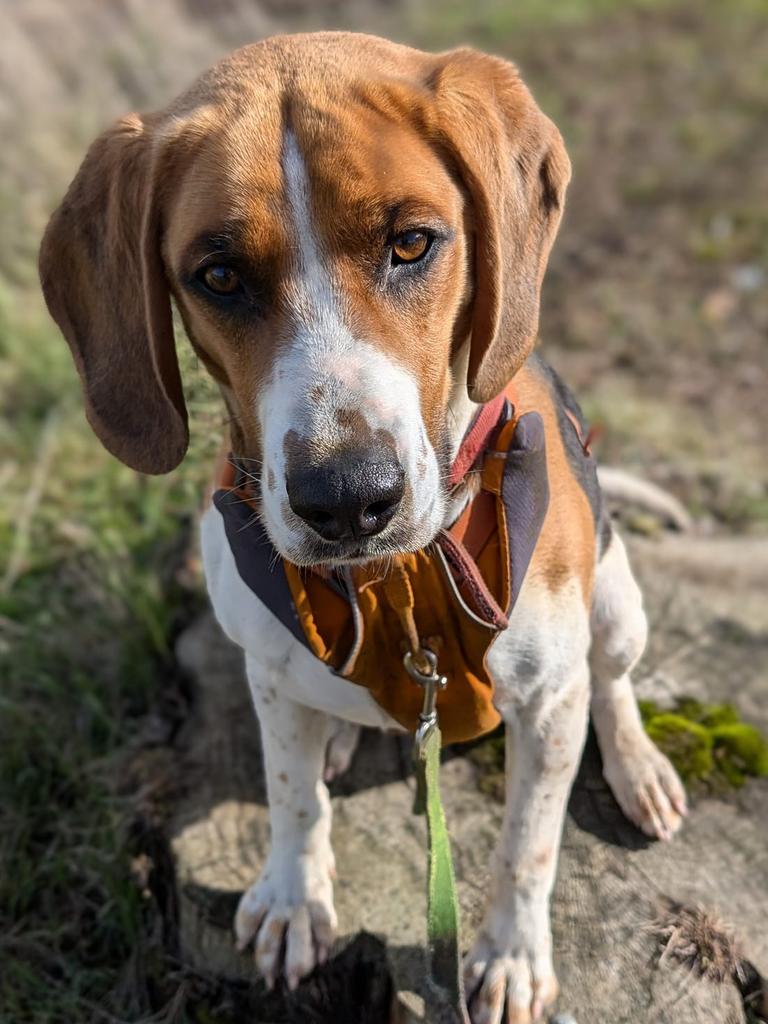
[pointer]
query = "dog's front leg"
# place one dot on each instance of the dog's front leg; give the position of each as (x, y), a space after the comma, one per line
(288, 912)
(510, 964)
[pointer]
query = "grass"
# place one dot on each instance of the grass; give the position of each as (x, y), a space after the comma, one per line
(89, 604)
(93, 580)
(488, 22)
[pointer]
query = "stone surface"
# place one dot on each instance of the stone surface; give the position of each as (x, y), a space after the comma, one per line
(709, 639)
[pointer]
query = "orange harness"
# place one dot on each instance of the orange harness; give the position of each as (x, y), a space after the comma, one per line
(453, 597)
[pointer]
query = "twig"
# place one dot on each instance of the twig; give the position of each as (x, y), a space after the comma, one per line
(619, 485)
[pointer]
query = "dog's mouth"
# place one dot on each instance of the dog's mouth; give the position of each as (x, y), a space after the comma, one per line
(349, 553)
(400, 538)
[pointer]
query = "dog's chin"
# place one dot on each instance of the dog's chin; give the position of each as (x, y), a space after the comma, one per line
(337, 555)
(312, 552)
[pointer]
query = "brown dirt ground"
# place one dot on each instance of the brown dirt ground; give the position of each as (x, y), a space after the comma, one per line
(656, 306)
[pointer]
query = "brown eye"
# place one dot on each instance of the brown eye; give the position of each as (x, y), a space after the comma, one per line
(410, 246)
(221, 280)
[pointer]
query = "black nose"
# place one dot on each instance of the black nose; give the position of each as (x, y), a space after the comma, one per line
(351, 496)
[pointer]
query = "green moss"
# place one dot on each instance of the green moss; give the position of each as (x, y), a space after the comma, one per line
(708, 715)
(740, 750)
(707, 743)
(647, 708)
(716, 715)
(687, 744)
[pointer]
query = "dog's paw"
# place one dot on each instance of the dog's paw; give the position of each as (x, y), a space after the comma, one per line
(509, 977)
(289, 916)
(341, 749)
(646, 786)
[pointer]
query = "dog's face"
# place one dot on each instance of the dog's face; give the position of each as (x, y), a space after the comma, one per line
(327, 294)
(354, 234)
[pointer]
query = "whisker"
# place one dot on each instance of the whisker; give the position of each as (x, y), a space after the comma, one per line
(250, 522)
(239, 501)
(274, 559)
(251, 476)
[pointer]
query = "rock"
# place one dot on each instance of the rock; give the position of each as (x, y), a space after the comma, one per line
(709, 640)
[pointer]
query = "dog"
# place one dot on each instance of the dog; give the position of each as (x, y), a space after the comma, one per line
(354, 234)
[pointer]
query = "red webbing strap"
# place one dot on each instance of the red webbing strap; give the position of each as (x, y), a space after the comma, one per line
(476, 439)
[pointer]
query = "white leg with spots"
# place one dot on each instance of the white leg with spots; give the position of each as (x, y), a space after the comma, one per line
(288, 913)
(508, 972)
(643, 780)
(341, 748)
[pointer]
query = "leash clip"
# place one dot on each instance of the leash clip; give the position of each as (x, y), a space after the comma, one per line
(431, 682)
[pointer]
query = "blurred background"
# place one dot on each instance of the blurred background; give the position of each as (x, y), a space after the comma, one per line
(655, 311)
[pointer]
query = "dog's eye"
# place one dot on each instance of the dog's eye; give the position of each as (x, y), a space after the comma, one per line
(410, 246)
(220, 279)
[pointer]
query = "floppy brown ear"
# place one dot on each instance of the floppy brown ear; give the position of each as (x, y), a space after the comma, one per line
(515, 168)
(104, 283)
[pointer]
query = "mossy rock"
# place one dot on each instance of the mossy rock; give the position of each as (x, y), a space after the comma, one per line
(707, 743)
(739, 751)
(687, 744)
(709, 715)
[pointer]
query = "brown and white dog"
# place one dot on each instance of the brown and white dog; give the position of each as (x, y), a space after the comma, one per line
(355, 234)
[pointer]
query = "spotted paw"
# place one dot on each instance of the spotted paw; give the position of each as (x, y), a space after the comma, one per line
(511, 981)
(646, 786)
(288, 915)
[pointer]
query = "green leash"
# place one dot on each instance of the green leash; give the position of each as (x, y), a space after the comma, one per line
(442, 902)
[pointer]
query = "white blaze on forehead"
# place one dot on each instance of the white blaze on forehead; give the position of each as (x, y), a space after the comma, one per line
(323, 369)
(310, 292)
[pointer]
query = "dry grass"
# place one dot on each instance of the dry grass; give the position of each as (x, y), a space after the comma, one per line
(701, 942)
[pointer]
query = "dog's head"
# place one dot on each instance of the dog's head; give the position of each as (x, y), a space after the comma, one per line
(355, 235)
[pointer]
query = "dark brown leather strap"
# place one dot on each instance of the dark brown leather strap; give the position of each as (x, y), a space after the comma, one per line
(525, 494)
(471, 584)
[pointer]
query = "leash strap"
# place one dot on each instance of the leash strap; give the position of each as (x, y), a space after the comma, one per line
(442, 901)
